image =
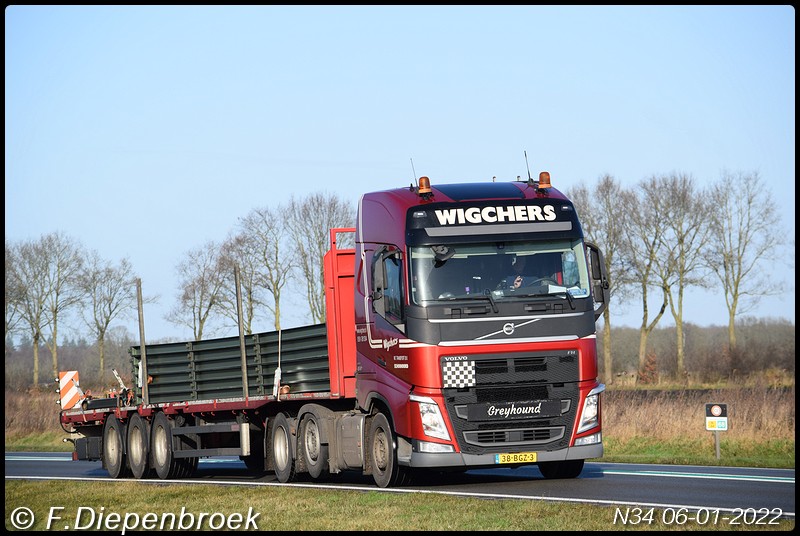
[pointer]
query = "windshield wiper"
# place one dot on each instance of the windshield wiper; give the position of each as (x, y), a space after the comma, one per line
(488, 295)
(545, 295)
(570, 299)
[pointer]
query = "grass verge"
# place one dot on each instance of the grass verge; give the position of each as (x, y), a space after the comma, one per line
(290, 509)
(777, 453)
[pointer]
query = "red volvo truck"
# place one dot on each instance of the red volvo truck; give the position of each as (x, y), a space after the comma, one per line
(460, 334)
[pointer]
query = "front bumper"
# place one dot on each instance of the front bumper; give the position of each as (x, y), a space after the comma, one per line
(474, 461)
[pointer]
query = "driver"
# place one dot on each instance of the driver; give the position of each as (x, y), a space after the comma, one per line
(517, 280)
(520, 278)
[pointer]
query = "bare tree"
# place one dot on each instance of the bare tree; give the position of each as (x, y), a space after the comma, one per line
(28, 275)
(239, 250)
(265, 239)
(201, 281)
(744, 220)
(642, 240)
(64, 268)
(14, 292)
(685, 241)
(603, 224)
(310, 221)
(110, 294)
(118, 340)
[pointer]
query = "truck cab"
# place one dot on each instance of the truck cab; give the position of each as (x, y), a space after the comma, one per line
(475, 310)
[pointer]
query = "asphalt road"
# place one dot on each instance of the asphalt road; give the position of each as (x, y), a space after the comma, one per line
(730, 490)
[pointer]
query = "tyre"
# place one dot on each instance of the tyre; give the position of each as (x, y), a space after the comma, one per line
(184, 467)
(138, 446)
(161, 447)
(386, 471)
(565, 469)
(114, 458)
(311, 448)
(193, 462)
(281, 448)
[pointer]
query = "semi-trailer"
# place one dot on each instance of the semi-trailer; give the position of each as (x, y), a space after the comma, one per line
(460, 334)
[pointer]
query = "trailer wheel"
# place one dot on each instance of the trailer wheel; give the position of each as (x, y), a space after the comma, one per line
(191, 466)
(314, 452)
(138, 446)
(281, 449)
(164, 462)
(565, 469)
(114, 459)
(184, 467)
(386, 471)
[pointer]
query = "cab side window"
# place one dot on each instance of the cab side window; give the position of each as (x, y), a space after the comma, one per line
(394, 290)
(387, 292)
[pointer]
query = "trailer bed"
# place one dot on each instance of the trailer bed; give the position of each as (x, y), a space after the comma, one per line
(199, 376)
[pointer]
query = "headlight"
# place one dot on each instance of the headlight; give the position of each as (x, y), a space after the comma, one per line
(590, 412)
(432, 420)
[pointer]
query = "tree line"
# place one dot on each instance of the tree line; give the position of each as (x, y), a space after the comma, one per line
(55, 279)
(662, 236)
(665, 236)
(766, 345)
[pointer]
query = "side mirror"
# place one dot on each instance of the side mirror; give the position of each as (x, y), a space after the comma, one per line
(600, 283)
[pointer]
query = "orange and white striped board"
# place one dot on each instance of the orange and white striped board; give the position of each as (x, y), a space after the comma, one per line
(69, 386)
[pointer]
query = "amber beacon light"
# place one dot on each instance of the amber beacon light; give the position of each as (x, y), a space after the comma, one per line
(544, 180)
(424, 186)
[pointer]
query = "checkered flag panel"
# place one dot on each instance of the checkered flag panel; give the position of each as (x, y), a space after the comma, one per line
(458, 374)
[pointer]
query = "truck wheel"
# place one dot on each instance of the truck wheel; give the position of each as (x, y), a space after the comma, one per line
(114, 459)
(161, 447)
(138, 446)
(565, 469)
(191, 465)
(315, 454)
(383, 454)
(281, 447)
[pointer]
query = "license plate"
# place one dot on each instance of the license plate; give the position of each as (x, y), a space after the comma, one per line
(519, 457)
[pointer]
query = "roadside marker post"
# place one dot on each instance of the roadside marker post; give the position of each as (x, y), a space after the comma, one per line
(717, 421)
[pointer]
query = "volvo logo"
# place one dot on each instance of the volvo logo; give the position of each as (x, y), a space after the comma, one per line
(508, 328)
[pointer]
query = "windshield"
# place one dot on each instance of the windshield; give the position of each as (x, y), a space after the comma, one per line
(503, 270)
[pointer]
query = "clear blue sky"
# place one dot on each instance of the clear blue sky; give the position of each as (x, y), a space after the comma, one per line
(144, 131)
